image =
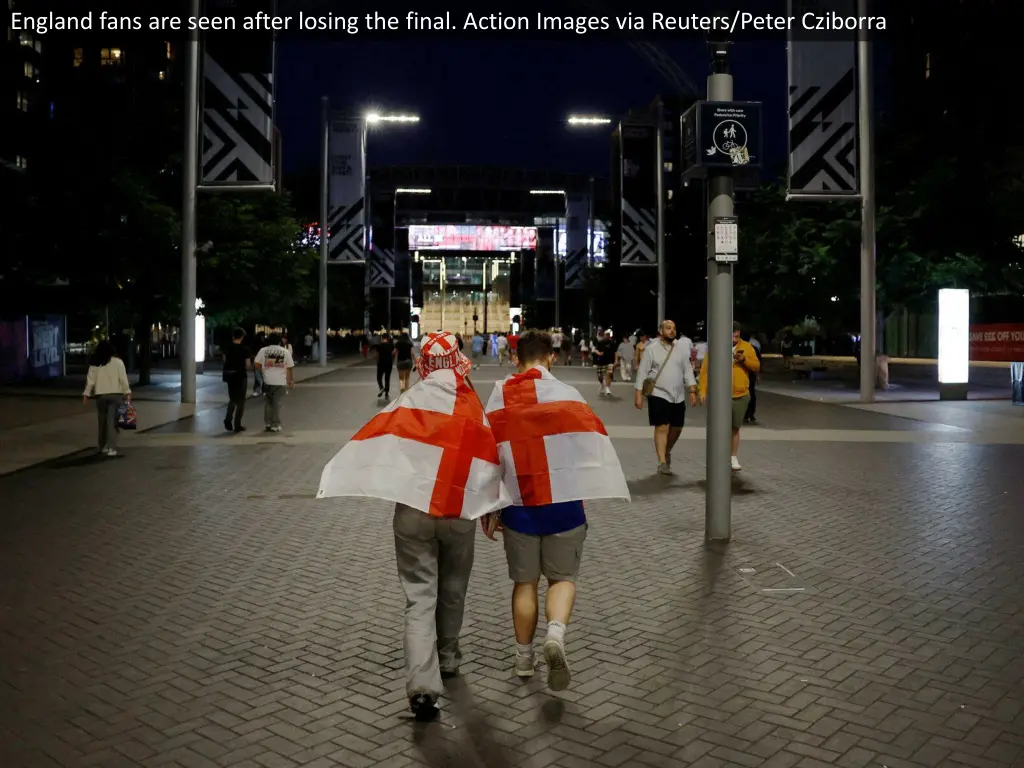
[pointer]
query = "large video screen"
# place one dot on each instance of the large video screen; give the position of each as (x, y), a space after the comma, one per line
(471, 237)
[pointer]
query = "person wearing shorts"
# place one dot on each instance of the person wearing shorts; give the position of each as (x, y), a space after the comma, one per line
(543, 540)
(745, 365)
(403, 361)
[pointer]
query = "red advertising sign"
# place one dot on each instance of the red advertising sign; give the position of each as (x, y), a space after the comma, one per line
(471, 237)
(999, 343)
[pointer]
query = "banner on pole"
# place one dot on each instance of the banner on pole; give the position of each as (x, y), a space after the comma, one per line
(577, 211)
(382, 267)
(237, 101)
(638, 229)
(823, 107)
(346, 222)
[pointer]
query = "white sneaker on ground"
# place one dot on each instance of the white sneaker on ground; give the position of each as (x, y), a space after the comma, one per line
(559, 675)
(525, 665)
(275, 429)
(736, 464)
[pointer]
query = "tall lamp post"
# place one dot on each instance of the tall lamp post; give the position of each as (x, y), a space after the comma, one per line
(589, 122)
(375, 120)
(403, 191)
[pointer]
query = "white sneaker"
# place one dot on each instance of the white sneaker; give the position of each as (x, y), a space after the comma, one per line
(736, 464)
(525, 665)
(559, 675)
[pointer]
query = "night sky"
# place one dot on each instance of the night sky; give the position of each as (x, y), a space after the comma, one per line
(501, 103)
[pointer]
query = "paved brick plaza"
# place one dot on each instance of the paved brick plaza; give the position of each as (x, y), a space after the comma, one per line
(192, 605)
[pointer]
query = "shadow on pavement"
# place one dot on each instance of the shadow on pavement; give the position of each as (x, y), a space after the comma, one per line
(84, 458)
(658, 485)
(477, 748)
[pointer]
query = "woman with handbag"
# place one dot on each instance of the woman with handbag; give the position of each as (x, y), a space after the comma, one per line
(107, 382)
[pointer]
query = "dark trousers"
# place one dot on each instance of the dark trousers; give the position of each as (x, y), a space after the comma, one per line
(752, 405)
(237, 390)
(384, 379)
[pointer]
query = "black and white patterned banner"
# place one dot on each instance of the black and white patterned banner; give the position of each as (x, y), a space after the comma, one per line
(347, 220)
(238, 101)
(638, 230)
(823, 108)
(382, 267)
(577, 212)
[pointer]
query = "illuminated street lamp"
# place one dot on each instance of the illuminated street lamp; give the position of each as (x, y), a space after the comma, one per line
(582, 120)
(374, 118)
(548, 192)
(412, 191)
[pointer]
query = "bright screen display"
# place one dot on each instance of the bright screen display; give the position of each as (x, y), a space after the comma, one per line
(954, 335)
(471, 237)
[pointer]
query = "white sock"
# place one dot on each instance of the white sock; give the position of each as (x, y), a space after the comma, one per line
(524, 650)
(556, 631)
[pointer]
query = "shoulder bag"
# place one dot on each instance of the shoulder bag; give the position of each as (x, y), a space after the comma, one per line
(649, 383)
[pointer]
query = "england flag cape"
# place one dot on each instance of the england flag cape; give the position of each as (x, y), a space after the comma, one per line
(431, 449)
(552, 446)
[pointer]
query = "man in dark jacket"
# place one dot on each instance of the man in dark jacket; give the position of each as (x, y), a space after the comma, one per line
(237, 362)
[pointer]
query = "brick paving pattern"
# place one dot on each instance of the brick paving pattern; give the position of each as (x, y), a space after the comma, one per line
(195, 607)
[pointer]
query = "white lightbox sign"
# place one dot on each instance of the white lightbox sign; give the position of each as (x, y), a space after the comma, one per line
(954, 335)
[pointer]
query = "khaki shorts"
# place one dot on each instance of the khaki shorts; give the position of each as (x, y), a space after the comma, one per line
(739, 410)
(557, 556)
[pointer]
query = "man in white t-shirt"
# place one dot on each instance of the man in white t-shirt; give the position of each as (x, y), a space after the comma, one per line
(502, 348)
(277, 366)
(556, 342)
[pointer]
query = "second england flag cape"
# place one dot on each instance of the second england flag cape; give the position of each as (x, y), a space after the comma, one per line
(553, 447)
(431, 449)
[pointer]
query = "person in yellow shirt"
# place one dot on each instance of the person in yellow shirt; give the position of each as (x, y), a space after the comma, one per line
(745, 366)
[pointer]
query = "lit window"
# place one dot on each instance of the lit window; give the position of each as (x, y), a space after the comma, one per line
(27, 40)
(30, 70)
(927, 66)
(79, 57)
(39, 46)
(170, 51)
(21, 162)
(22, 101)
(110, 57)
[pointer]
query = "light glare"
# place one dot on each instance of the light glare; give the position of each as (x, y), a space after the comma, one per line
(547, 192)
(589, 120)
(412, 191)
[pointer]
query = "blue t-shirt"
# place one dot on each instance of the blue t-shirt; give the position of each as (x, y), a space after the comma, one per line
(545, 520)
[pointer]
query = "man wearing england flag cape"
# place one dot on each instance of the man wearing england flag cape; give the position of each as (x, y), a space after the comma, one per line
(555, 453)
(433, 453)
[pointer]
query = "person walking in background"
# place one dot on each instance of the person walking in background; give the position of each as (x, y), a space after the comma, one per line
(478, 346)
(665, 376)
(584, 351)
(502, 348)
(624, 357)
(700, 349)
(107, 381)
(257, 379)
(403, 360)
(556, 343)
(745, 364)
(385, 351)
(638, 351)
(750, 416)
(604, 359)
(278, 369)
(307, 345)
(237, 362)
(513, 347)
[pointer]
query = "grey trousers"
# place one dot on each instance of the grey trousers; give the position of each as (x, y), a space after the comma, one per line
(435, 558)
(106, 414)
(272, 397)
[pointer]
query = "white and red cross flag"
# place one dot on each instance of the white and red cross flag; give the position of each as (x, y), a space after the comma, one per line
(431, 449)
(552, 446)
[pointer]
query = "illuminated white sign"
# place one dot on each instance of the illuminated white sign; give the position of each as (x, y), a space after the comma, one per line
(200, 345)
(954, 335)
(471, 237)
(598, 242)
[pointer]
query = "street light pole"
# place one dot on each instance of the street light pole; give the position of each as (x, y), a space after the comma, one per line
(591, 256)
(718, 500)
(659, 186)
(866, 159)
(190, 181)
(325, 162)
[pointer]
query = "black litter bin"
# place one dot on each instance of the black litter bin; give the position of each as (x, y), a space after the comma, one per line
(1017, 382)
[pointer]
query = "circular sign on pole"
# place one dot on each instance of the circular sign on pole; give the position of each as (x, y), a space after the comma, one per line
(730, 135)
